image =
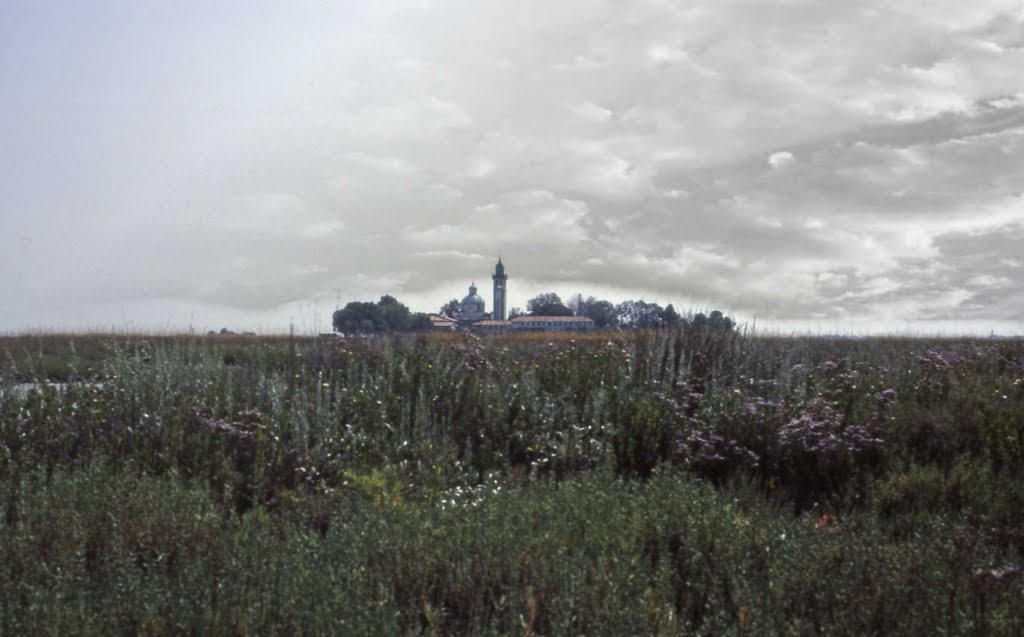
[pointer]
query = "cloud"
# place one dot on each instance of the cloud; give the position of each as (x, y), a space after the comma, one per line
(795, 159)
(322, 229)
(780, 159)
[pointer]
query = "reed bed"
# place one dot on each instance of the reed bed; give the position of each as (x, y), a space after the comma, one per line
(667, 482)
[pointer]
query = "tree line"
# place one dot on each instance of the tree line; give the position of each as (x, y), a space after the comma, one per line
(386, 315)
(629, 314)
(389, 315)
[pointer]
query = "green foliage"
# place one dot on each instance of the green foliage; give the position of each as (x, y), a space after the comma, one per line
(674, 481)
(547, 304)
(420, 322)
(598, 310)
(103, 551)
(451, 308)
(386, 315)
(715, 321)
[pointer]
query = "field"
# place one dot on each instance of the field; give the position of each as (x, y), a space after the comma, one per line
(654, 483)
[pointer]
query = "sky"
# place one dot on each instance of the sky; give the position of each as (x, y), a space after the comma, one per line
(803, 165)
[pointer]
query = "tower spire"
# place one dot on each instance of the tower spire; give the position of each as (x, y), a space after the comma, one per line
(500, 291)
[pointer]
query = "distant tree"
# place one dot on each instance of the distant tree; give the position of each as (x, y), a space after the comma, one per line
(386, 315)
(547, 304)
(515, 312)
(670, 318)
(358, 316)
(576, 304)
(394, 316)
(542, 301)
(629, 313)
(639, 314)
(651, 315)
(715, 321)
(450, 309)
(720, 323)
(420, 322)
(624, 314)
(601, 312)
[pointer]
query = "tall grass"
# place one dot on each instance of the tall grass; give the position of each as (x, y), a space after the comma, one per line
(648, 483)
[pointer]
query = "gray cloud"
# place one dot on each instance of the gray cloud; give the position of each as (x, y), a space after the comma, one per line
(797, 160)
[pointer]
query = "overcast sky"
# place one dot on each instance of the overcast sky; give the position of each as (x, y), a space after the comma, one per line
(808, 164)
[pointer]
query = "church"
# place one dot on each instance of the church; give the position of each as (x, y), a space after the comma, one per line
(472, 314)
(473, 309)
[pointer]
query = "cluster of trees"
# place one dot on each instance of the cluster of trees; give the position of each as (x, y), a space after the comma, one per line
(386, 315)
(628, 315)
(450, 309)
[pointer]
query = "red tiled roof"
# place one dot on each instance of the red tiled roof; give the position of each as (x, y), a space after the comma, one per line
(490, 322)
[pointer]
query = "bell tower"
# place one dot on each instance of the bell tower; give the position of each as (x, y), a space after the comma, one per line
(500, 282)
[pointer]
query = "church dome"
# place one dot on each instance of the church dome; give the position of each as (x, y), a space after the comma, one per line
(472, 305)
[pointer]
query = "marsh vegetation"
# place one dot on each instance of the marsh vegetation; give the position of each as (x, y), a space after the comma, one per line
(660, 482)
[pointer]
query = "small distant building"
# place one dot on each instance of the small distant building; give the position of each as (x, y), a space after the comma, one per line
(440, 323)
(491, 326)
(552, 323)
